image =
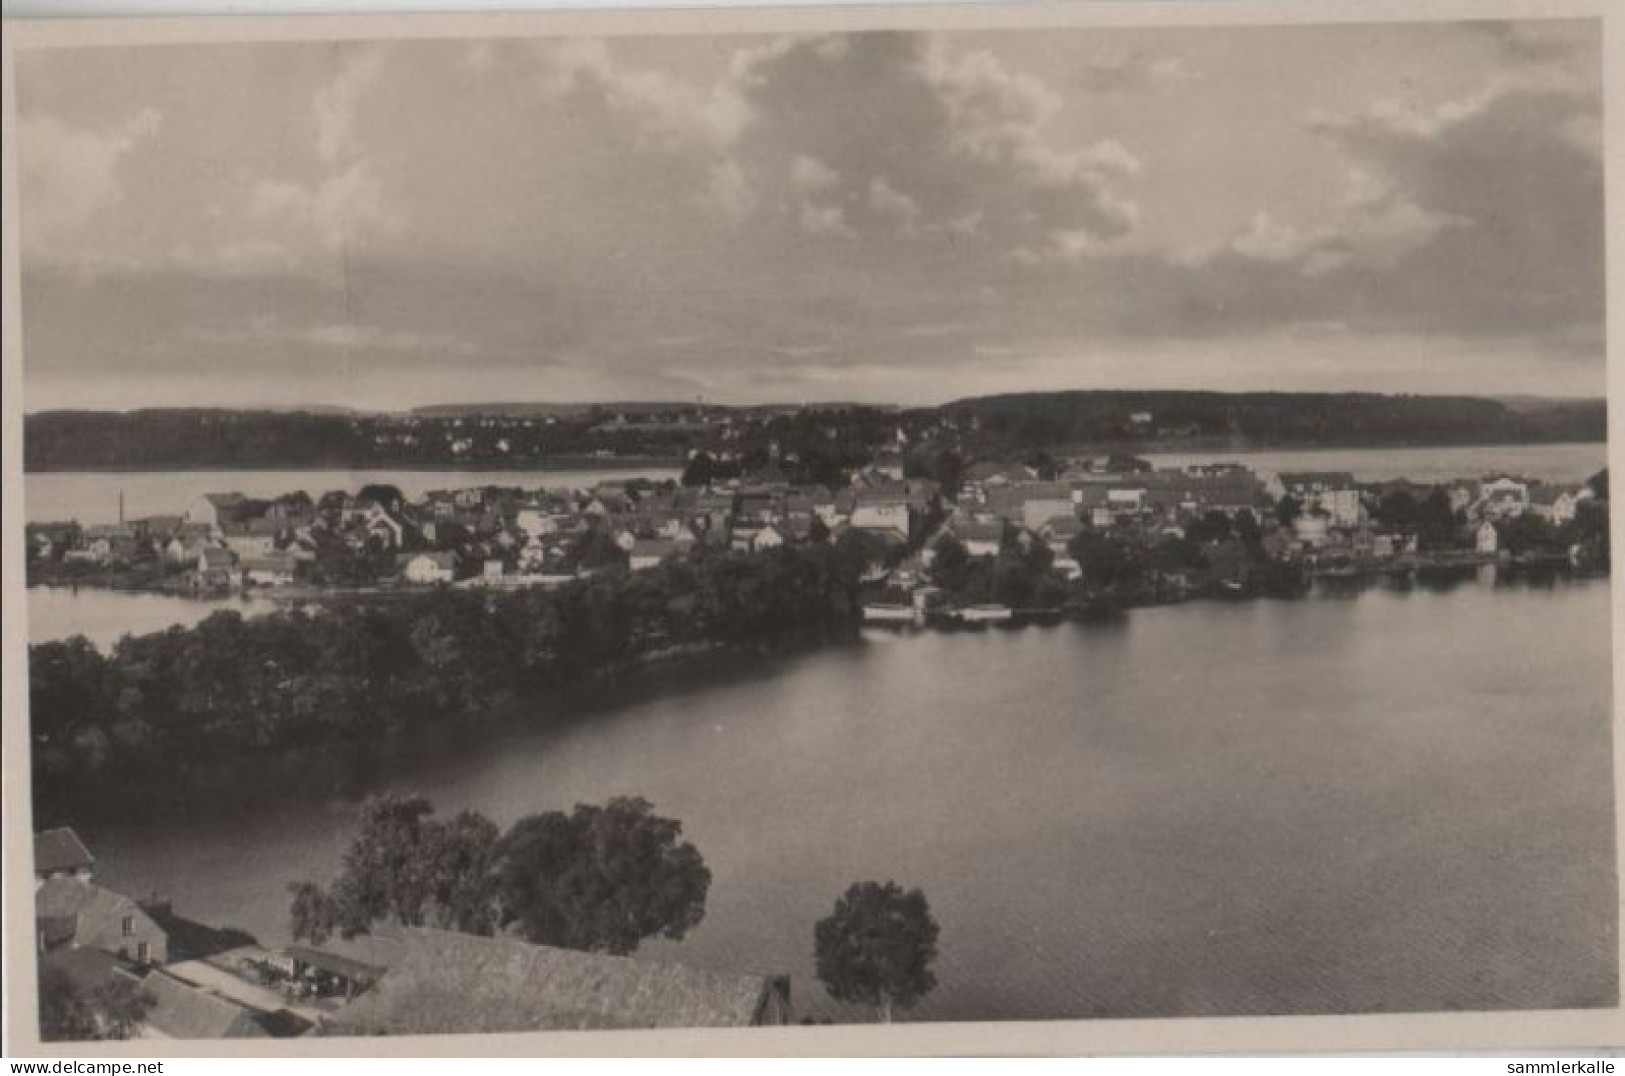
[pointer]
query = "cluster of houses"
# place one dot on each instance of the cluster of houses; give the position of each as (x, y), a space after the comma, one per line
(202, 983)
(501, 536)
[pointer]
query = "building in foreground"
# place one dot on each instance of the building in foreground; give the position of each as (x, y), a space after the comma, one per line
(439, 982)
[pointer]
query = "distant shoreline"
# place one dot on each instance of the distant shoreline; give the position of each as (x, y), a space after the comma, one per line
(627, 463)
(1218, 447)
(569, 463)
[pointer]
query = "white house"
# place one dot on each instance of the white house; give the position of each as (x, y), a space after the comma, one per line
(1486, 538)
(1333, 492)
(648, 552)
(1503, 495)
(213, 509)
(881, 515)
(436, 567)
(1556, 504)
(276, 568)
(769, 537)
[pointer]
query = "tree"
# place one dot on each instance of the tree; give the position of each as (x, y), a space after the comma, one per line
(600, 878)
(1213, 526)
(383, 495)
(949, 561)
(699, 471)
(70, 1013)
(1110, 562)
(877, 946)
(404, 866)
(311, 914)
(64, 1012)
(595, 549)
(1599, 484)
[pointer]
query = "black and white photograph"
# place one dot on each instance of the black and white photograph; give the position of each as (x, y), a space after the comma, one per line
(593, 526)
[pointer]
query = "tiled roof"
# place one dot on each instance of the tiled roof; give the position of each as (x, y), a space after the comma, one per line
(1318, 479)
(448, 983)
(182, 1010)
(60, 850)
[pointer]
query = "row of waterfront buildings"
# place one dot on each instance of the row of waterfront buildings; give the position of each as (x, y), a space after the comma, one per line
(503, 536)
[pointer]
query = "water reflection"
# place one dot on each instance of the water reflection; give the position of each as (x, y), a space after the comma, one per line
(1272, 806)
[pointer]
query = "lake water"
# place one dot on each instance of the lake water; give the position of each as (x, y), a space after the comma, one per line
(1549, 463)
(1377, 802)
(104, 616)
(93, 496)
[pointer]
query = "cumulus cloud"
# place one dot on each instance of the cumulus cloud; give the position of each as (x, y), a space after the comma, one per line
(728, 215)
(68, 175)
(912, 139)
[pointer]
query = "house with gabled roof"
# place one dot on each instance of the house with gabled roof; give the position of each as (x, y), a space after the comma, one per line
(212, 509)
(73, 913)
(1556, 504)
(441, 982)
(251, 537)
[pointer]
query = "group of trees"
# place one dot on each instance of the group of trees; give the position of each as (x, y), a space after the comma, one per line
(1019, 575)
(1435, 525)
(233, 688)
(598, 879)
(1024, 421)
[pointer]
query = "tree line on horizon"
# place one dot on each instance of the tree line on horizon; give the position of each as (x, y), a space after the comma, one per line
(161, 438)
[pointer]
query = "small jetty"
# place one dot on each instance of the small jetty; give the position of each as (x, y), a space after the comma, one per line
(889, 614)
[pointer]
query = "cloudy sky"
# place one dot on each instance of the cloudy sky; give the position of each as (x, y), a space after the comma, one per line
(877, 216)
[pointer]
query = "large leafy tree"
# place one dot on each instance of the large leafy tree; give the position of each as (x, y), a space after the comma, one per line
(600, 878)
(877, 947)
(597, 878)
(404, 866)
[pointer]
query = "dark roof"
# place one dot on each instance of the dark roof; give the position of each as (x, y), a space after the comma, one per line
(182, 1010)
(1322, 479)
(190, 940)
(970, 530)
(60, 850)
(1549, 494)
(449, 983)
(252, 527)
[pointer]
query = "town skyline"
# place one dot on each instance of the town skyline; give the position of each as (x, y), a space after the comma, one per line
(871, 217)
